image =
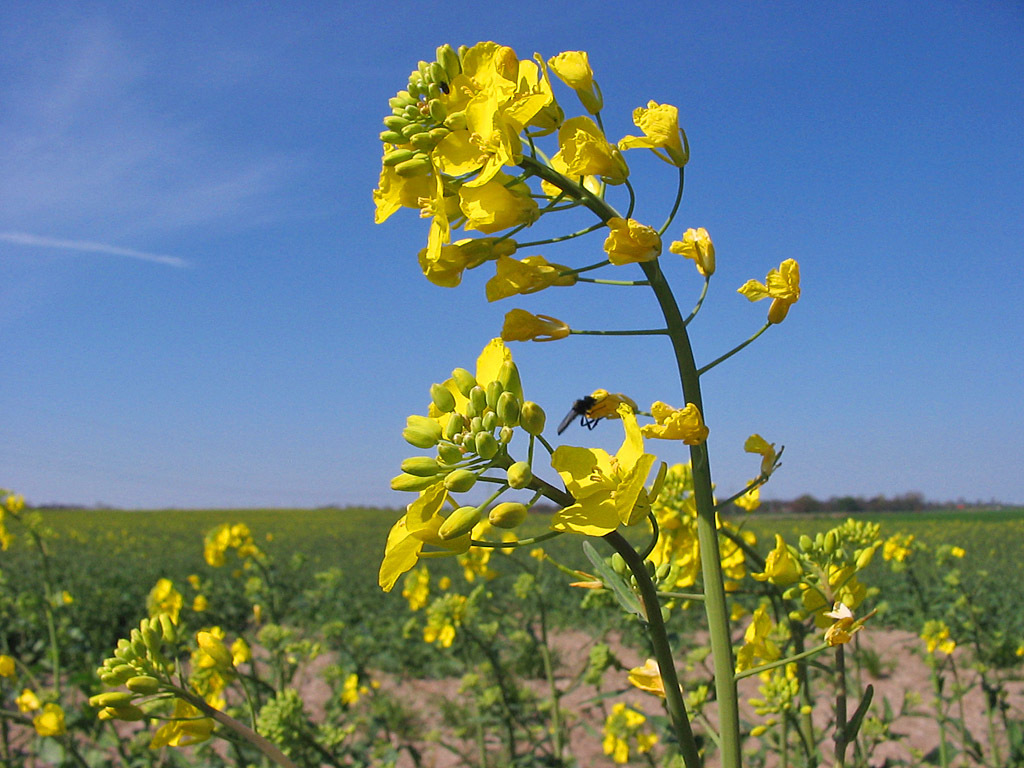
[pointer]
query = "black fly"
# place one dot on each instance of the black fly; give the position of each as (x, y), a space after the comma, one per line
(580, 408)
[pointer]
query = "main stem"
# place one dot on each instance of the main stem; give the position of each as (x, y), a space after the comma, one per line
(707, 530)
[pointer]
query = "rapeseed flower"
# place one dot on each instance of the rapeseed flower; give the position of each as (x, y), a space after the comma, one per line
(584, 151)
(630, 242)
(696, 245)
(50, 721)
(521, 325)
(671, 423)
(782, 286)
(662, 134)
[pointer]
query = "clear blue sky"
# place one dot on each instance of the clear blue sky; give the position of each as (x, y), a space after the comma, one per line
(196, 308)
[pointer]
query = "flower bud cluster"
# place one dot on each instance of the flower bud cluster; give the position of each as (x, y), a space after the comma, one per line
(139, 664)
(419, 119)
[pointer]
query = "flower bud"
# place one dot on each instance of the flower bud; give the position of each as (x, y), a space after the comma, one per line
(455, 425)
(214, 647)
(422, 141)
(418, 166)
(111, 699)
(490, 421)
(493, 392)
(118, 674)
(532, 417)
(392, 137)
(505, 435)
(459, 523)
(865, 557)
(127, 712)
(830, 542)
(437, 111)
(421, 431)
(395, 123)
(167, 628)
(508, 409)
(456, 121)
(421, 466)
(478, 399)
(486, 445)
(618, 564)
(449, 453)
(460, 481)
(508, 375)
(806, 543)
(519, 475)
(396, 156)
(143, 684)
(508, 515)
(407, 482)
(442, 397)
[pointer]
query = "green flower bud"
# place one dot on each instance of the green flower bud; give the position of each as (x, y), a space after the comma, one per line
(170, 632)
(508, 409)
(392, 137)
(433, 91)
(464, 380)
(401, 100)
(449, 453)
(493, 392)
(421, 466)
(138, 644)
(396, 156)
(449, 59)
(406, 482)
(478, 399)
(418, 166)
(442, 397)
(505, 435)
(456, 121)
(486, 446)
(510, 514)
(437, 111)
(143, 684)
(421, 431)
(214, 647)
(437, 135)
(459, 523)
(423, 141)
(663, 570)
(508, 375)
(117, 674)
(423, 68)
(111, 699)
(619, 565)
(411, 130)
(806, 543)
(830, 542)
(665, 613)
(436, 73)
(476, 424)
(412, 113)
(865, 557)
(415, 85)
(490, 421)
(152, 636)
(460, 480)
(454, 426)
(532, 417)
(519, 475)
(395, 123)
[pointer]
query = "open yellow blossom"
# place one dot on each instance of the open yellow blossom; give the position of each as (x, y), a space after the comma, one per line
(671, 423)
(630, 242)
(621, 726)
(750, 500)
(936, 637)
(757, 646)
(416, 588)
(782, 286)
(844, 628)
(521, 276)
(606, 404)
(781, 567)
(660, 124)
(648, 678)
(573, 69)
(50, 721)
(697, 246)
(609, 490)
(897, 547)
(444, 266)
(188, 727)
(584, 151)
(164, 598)
(7, 668)
(496, 206)
(521, 325)
(395, 191)
(757, 444)
(27, 701)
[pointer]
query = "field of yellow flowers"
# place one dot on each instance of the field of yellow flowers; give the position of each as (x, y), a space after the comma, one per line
(513, 659)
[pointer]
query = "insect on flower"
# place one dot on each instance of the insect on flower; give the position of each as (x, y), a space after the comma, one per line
(580, 408)
(600, 404)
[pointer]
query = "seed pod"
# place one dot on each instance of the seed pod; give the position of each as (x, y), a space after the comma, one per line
(507, 515)
(459, 481)
(519, 475)
(459, 523)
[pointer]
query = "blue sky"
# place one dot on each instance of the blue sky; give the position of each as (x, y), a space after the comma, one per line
(196, 308)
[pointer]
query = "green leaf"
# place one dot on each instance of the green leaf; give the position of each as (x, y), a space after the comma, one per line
(853, 726)
(617, 584)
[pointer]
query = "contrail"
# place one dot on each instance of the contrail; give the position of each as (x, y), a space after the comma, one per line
(20, 238)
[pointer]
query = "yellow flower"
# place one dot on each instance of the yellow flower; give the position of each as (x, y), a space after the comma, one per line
(660, 124)
(780, 567)
(750, 500)
(897, 547)
(49, 722)
(757, 645)
(573, 69)
(445, 266)
(215, 653)
(522, 276)
(200, 603)
(630, 242)
(164, 598)
(606, 404)
(845, 627)
(609, 490)
(27, 701)
(7, 668)
(187, 727)
(671, 423)
(622, 725)
(521, 325)
(648, 678)
(496, 206)
(757, 444)
(395, 191)
(583, 150)
(416, 588)
(352, 690)
(782, 286)
(696, 245)
(956, 551)
(936, 637)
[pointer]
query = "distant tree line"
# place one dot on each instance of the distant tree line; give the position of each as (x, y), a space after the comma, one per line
(848, 505)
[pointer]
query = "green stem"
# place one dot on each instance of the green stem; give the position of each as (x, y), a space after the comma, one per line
(675, 205)
(596, 281)
(261, 743)
(661, 648)
(644, 332)
(782, 662)
(733, 351)
(840, 735)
